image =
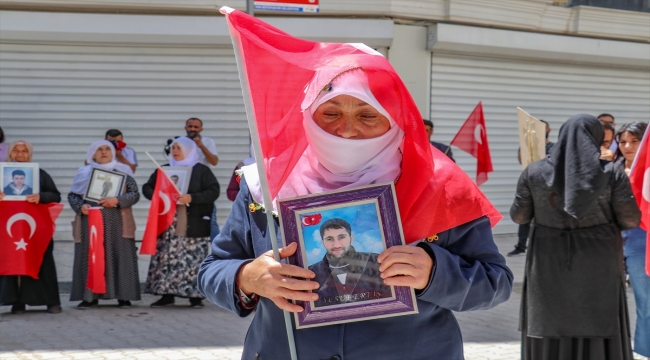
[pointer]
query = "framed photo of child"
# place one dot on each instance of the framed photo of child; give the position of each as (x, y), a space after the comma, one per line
(340, 236)
(17, 180)
(104, 184)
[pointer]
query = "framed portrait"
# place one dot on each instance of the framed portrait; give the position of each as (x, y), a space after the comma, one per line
(339, 235)
(180, 176)
(104, 184)
(19, 180)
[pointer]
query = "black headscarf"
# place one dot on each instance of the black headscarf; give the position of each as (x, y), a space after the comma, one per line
(578, 175)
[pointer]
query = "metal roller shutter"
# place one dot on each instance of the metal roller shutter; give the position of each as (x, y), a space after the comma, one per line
(547, 90)
(63, 97)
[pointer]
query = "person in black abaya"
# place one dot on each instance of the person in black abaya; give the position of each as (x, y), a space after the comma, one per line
(573, 303)
(19, 291)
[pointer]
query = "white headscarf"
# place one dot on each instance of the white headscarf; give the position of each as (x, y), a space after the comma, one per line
(333, 163)
(189, 150)
(82, 177)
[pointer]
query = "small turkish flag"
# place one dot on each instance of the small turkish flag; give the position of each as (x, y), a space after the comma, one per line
(472, 138)
(161, 212)
(26, 230)
(640, 181)
(96, 280)
(311, 220)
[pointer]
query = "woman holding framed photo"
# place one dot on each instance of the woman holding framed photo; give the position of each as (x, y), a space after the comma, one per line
(334, 117)
(121, 260)
(186, 243)
(19, 291)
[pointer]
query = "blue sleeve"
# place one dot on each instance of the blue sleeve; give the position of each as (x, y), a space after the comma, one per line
(230, 250)
(468, 273)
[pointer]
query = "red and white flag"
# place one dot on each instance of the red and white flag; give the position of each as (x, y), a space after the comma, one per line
(472, 138)
(161, 212)
(26, 230)
(96, 280)
(640, 181)
(274, 68)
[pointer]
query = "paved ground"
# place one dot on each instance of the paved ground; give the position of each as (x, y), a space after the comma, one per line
(211, 333)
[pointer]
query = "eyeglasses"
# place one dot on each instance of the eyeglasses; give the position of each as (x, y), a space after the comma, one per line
(607, 143)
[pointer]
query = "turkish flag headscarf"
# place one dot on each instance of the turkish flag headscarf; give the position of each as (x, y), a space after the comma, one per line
(161, 212)
(433, 194)
(640, 181)
(26, 230)
(96, 280)
(472, 138)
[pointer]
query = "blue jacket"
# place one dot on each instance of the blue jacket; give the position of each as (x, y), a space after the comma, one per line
(468, 274)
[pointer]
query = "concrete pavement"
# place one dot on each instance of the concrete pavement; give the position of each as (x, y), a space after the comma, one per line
(181, 332)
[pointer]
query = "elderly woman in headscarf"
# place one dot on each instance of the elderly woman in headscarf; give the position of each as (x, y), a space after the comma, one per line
(353, 124)
(186, 243)
(121, 260)
(573, 304)
(19, 291)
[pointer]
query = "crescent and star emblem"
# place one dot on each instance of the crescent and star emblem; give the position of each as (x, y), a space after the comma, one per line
(166, 202)
(478, 130)
(22, 245)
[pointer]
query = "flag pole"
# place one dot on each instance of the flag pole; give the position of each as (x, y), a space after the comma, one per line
(163, 171)
(257, 149)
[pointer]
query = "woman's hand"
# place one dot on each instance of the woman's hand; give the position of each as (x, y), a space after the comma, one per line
(185, 199)
(266, 277)
(33, 198)
(2, 195)
(110, 202)
(405, 265)
(84, 209)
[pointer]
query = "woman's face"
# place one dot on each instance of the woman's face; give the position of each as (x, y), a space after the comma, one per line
(177, 153)
(20, 153)
(629, 145)
(350, 118)
(103, 155)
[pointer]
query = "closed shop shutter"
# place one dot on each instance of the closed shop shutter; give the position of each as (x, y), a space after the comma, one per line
(547, 90)
(63, 97)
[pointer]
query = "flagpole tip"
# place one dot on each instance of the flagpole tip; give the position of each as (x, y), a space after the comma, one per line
(226, 10)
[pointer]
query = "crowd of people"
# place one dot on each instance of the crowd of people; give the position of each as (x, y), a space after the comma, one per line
(579, 227)
(181, 249)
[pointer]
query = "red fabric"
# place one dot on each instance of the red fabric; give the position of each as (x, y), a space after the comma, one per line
(161, 212)
(472, 138)
(96, 280)
(277, 67)
(640, 181)
(26, 230)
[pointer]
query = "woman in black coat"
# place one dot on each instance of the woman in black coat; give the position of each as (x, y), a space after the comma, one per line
(186, 243)
(573, 303)
(19, 291)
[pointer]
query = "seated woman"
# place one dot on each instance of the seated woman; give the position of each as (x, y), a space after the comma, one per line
(353, 139)
(181, 249)
(121, 259)
(19, 291)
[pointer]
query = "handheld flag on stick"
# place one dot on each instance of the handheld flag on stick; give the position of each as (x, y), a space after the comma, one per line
(161, 212)
(472, 138)
(640, 181)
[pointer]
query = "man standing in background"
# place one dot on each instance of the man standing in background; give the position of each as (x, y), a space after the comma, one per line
(446, 149)
(208, 157)
(123, 153)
